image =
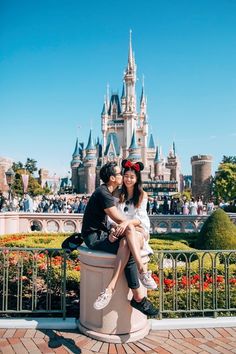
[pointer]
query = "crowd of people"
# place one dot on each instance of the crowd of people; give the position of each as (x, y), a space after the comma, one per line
(45, 204)
(179, 206)
(76, 204)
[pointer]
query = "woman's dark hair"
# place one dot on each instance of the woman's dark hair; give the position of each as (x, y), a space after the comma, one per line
(138, 190)
(107, 171)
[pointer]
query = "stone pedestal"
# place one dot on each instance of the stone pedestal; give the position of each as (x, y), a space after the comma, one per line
(118, 322)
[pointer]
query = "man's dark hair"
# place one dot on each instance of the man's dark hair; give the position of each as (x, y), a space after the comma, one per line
(107, 171)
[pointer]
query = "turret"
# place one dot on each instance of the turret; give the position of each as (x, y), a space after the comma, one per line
(75, 163)
(151, 144)
(143, 103)
(104, 119)
(90, 163)
(123, 99)
(134, 149)
(157, 165)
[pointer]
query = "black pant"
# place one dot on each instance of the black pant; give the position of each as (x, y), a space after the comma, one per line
(99, 241)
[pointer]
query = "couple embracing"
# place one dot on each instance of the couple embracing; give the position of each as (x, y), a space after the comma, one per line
(116, 221)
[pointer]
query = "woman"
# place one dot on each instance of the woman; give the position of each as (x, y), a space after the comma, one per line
(132, 202)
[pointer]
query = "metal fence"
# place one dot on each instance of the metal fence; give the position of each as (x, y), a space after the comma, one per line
(32, 280)
(195, 283)
(191, 283)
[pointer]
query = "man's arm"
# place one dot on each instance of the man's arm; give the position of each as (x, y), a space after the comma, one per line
(116, 216)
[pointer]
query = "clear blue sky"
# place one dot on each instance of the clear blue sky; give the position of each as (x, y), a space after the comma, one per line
(56, 58)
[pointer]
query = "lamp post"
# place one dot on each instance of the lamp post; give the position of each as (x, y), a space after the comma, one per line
(10, 176)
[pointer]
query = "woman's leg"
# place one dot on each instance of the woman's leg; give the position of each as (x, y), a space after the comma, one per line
(122, 258)
(135, 244)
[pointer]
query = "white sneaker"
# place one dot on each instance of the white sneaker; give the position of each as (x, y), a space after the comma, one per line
(103, 300)
(147, 280)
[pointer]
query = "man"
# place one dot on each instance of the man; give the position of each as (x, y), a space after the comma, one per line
(96, 236)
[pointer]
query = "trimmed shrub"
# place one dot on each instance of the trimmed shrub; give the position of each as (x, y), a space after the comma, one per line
(218, 232)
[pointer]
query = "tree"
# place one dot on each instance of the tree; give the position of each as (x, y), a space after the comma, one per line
(17, 166)
(224, 183)
(229, 159)
(30, 165)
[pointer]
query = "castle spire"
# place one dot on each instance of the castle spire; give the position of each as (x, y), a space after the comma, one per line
(143, 102)
(104, 108)
(76, 150)
(157, 156)
(130, 57)
(134, 149)
(174, 151)
(142, 98)
(123, 91)
(90, 149)
(90, 145)
(133, 144)
(151, 144)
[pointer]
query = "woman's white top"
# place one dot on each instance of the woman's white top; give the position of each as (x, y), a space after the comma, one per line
(140, 214)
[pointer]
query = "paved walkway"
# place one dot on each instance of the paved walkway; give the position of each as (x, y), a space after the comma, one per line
(24, 341)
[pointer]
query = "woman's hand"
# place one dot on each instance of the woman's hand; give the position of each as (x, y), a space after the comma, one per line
(112, 238)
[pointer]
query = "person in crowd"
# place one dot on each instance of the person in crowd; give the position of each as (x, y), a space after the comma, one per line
(123, 242)
(155, 206)
(165, 206)
(148, 206)
(199, 206)
(210, 206)
(27, 203)
(185, 206)
(179, 207)
(82, 205)
(2, 200)
(75, 205)
(193, 207)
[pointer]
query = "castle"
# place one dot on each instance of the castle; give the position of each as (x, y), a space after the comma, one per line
(125, 135)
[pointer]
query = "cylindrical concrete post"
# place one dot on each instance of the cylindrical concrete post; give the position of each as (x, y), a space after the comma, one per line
(118, 322)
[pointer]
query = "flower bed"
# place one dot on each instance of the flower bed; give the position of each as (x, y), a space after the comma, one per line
(190, 281)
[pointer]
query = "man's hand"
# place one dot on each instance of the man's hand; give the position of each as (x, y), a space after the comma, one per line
(120, 229)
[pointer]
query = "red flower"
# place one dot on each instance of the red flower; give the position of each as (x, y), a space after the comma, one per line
(184, 281)
(169, 283)
(219, 279)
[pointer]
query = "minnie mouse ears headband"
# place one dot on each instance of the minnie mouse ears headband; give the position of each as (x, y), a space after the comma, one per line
(137, 166)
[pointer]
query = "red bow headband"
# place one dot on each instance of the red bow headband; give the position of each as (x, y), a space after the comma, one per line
(133, 166)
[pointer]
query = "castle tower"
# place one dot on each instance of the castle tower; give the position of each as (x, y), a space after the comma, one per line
(75, 163)
(43, 177)
(201, 176)
(123, 99)
(158, 165)
(143, 125)
(90, 163)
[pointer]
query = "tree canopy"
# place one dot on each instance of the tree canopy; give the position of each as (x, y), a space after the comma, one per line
(224, 183)
(30, 165)
(29, 168)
